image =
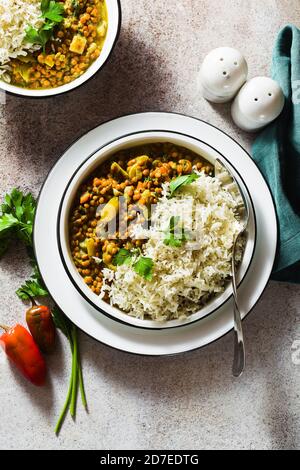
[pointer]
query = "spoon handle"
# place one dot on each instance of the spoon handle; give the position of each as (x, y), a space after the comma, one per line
(239, 346)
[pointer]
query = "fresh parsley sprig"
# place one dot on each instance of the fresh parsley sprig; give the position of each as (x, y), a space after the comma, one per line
(52, 13)
(52, 10)
(182, 181)
(40, 36)
(33, 287)
(16, 219)
(143, 266)
(123, 257)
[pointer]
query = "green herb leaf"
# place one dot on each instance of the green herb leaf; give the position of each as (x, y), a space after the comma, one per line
(17, 215)
(5, 208)
(173, 242)
(16, 198)
(8, 221)
(8, 201)
(28, 206)
(32, 35)
(45, 35)
(54, 12)
(48, 26)
(31, 290)
(122, 257)
(176, 234)
(34, 287)
(41, 36)
(144, 267)
(182, 181)
(45, 6)
(16, 218)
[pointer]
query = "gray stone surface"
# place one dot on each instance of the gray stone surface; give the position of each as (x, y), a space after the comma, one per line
(183, 402)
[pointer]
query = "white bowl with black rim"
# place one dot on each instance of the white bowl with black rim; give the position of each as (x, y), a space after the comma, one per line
(87, 168)
(113, 30)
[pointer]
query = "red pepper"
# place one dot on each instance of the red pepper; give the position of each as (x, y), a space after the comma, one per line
(21, 349)
(41, 326)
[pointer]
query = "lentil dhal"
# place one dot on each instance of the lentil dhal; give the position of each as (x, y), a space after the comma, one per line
(136, 174)
(76, 43)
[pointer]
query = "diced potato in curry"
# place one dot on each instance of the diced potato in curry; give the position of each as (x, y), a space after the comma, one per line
(91, 247)
(78, 44)
(50, 60)
(101, 30)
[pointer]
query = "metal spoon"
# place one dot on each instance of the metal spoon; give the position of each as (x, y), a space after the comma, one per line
(229, 182)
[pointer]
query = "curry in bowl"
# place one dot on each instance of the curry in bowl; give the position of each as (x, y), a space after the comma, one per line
(152, 232)
(48, 43)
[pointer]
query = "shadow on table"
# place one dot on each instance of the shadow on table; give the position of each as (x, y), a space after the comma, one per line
(134, 80)
(40, 397)
(202, 383)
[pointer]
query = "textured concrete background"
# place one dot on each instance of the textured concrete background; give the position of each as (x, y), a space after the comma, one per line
(184, 402)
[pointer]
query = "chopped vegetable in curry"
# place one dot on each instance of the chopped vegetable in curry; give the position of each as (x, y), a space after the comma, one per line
(137, 175)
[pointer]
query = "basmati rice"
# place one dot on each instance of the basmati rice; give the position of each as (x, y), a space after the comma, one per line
(184, 277)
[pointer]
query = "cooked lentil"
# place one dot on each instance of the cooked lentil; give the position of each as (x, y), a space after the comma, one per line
(138, 175)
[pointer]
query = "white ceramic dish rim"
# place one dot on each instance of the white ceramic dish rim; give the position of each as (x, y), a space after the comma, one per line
(87, 167)
(116, 335)
(114, 26)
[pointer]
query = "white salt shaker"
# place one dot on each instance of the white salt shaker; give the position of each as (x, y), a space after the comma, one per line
(258, 103)
(223, 72)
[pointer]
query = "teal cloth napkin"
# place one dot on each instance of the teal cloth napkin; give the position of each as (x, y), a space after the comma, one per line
(277, 153)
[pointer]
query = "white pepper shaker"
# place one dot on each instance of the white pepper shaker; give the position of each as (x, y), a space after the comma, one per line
(222, 74)
(258, 103)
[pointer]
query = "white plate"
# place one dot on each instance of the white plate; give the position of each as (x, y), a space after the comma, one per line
(106, 330)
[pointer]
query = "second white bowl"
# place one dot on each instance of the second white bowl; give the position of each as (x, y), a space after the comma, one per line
(114, 26)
